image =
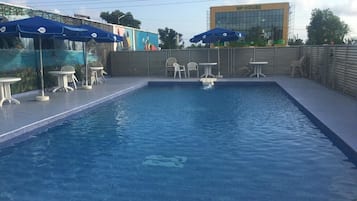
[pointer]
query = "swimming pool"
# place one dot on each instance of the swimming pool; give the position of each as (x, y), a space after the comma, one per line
(181, 143)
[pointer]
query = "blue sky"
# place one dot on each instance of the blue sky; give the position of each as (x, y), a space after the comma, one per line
(190, 17)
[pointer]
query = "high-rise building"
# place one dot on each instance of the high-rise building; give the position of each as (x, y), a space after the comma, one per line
(271, 21)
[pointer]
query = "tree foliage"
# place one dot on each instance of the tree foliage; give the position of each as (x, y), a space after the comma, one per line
(170, 39)
(326, 28)
(295, 41)
(116, 17)
(255, 36)
(199, 45)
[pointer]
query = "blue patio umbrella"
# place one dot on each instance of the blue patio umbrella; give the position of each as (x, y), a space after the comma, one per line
(38, 27)
(92, 33)
(217, 35)
(96, 34)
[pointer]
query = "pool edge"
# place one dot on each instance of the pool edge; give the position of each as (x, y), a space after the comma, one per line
(24, 131)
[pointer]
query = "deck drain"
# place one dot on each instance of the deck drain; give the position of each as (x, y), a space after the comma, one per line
(163, 161)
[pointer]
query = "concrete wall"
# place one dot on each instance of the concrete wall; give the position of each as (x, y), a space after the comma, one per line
(152, 63)
(332, 66)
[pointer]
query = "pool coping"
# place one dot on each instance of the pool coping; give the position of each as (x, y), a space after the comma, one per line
(338, 127)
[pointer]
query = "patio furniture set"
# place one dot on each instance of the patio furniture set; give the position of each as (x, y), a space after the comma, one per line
(65, 77)
(173, 66)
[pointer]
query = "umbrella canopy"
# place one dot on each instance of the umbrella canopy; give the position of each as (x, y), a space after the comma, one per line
(99, 35)
(38, 27)
(91, 33)
(216, 35)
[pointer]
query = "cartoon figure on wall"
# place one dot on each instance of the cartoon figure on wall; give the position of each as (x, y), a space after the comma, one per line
(127, 35)
(147, 45)
(146, 41)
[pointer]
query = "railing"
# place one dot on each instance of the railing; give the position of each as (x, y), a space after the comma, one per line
(332, 66)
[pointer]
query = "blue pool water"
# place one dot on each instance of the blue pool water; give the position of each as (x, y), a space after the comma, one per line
(181, 144)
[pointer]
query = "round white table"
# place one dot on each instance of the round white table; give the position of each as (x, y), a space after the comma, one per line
(208, 69)
(5, 89)
(62, 80)
(257, 68)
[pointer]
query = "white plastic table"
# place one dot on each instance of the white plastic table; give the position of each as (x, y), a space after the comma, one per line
(208, 69)
(98, 71)
(62, 80)
(257, 68)
(5, 89)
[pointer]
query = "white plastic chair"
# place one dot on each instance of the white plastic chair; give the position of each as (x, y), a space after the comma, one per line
(296, 65)
(71, 78)
(179, 69)
(169, 65)
(192, 66)
(102, 73)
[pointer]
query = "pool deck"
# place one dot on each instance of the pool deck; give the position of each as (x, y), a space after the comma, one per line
(336, 112)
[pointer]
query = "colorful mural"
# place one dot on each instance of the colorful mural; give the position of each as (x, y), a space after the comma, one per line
(135, 40)
(146, 41)
(127, 34)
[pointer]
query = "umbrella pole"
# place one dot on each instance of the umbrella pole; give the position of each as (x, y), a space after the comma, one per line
(86, 86)
(42, 97)
(219, 64)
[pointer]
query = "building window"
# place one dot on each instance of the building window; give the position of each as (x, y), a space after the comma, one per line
(270, 21)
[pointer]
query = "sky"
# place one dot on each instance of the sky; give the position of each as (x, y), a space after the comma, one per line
(191, 17)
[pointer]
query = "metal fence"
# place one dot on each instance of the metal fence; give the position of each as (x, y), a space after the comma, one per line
(332, 66)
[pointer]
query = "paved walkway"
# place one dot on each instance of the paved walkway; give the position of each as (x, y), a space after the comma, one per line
(334, 110)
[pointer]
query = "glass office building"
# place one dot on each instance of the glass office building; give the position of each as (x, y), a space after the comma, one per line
(270, 20)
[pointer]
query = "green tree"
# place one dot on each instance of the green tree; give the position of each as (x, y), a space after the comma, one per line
(255, 36)
(326, 28)
(295, 41)
(199, 45)
(118, 17)
(170, 39)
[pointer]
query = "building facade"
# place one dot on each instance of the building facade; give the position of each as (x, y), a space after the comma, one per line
(271, 21)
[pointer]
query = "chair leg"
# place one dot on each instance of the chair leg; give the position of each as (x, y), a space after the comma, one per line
(292, 71)
(301, 73)
(188, 73)
(75, 80)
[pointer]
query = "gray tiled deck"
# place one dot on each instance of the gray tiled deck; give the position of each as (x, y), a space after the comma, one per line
(336, 111)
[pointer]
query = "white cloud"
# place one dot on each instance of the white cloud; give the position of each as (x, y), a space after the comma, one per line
(348, 8)
(19, 2)
(56, 11)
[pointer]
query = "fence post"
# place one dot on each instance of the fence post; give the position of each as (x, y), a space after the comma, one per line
(345, 70)
(148, 63)
(332, 76)
(274, 56)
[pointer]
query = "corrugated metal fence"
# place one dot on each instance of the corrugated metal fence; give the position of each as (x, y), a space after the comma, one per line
(332, 66)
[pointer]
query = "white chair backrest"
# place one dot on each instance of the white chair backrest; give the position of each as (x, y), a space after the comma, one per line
(67, 68)
(301, 60)
(170, 61)
(192, 66)
(176, 65)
